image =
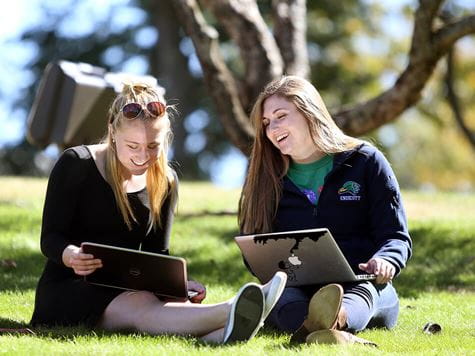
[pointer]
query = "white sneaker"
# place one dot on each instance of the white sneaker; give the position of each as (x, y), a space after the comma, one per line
(273, 290)
(245, 318)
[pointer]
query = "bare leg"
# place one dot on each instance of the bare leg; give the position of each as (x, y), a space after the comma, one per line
(144, 312)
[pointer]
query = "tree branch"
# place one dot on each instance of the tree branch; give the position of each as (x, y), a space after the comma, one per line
(423, 22)
(258, 49)
(445, 38)
(217, 76)
(290, 29)
(453, 99)
(407, 90)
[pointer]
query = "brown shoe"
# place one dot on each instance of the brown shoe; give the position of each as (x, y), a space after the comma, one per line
(323, 311)
(332, 337)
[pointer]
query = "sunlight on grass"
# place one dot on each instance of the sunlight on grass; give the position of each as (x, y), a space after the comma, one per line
(452, 208)
(24, 191)
(198, 196)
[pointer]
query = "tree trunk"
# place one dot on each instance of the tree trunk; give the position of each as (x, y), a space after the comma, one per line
(170, 66)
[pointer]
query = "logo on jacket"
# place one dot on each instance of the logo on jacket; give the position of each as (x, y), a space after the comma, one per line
(349, 191)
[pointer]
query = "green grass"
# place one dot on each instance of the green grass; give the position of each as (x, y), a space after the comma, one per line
(437, 286)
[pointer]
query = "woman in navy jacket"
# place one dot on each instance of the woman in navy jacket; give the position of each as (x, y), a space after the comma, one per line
(304, 172)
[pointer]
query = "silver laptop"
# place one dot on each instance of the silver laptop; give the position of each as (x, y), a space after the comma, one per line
(307, 256)
(130, 269)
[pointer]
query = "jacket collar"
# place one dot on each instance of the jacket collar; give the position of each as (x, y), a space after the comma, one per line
(341, 157)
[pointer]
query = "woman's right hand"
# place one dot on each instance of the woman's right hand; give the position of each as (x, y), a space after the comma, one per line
(82, 263)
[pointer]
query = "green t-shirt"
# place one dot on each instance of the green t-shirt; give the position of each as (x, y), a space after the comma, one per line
(309, 177)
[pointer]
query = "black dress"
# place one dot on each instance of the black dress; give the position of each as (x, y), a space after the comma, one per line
(80, 206)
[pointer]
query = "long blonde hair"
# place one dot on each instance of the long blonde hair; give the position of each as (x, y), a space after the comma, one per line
(263, 186)
(160, 178)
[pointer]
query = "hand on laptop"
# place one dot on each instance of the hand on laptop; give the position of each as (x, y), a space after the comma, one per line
(83, 264)
(197, 287)
(383, 269)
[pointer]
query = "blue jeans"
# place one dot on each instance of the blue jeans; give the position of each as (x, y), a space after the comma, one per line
(367, 305)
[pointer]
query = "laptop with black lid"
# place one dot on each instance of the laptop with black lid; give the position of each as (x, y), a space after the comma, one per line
(307, 256)
(130, 269)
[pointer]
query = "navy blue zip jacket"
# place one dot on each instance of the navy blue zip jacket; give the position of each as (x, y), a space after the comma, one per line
(360, 204)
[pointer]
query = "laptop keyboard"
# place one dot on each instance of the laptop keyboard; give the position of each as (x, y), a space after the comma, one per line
(365, 277)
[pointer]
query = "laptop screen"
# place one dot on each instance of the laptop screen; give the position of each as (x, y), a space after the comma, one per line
(138, 270)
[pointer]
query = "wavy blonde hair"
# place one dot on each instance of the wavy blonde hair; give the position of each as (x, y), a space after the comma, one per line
(263, 186)
(160, 178)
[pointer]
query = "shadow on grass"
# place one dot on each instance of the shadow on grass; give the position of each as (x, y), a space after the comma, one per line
(229, 271)
(26, 273)
(12, 324)
(62, 333)
(215, 269)
(442, 259)
(58, 332)
(70, 334)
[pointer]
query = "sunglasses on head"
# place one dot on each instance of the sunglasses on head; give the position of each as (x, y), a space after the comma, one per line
(154, 108)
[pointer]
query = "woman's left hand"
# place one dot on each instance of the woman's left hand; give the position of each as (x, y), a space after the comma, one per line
(383, 269)
(197, 287)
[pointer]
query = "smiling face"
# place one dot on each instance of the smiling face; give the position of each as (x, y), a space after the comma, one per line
(139, 142)
(288, 130)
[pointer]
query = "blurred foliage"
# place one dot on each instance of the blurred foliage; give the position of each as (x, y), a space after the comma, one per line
(19, 159)
(426, 146)
(354, 55)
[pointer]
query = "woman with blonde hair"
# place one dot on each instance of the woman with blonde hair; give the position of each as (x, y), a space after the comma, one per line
(122, 192)
(304, 173)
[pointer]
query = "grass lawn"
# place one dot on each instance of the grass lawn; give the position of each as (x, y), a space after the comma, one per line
(438, 286)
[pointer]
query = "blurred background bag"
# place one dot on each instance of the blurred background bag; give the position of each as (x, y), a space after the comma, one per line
(71, 104)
